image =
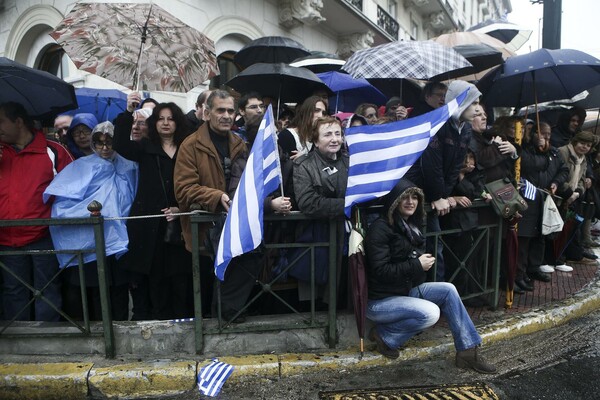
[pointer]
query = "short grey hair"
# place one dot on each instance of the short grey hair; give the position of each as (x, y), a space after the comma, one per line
(219, 94)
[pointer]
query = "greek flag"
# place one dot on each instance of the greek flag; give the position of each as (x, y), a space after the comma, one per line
(212, 377)
(243, 229)
(528, 189)
(381, 154)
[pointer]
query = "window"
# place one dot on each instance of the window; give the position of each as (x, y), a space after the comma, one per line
(393, 8)
(228, 70)
(54, 60)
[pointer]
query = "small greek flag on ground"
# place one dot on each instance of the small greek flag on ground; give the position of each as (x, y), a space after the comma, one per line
(380, 155)
(528, 190)
(213, 376)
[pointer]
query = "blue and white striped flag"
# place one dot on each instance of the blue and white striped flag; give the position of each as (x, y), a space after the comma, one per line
(380, 155)
(243, 229)
(212, 377)
(528, 189)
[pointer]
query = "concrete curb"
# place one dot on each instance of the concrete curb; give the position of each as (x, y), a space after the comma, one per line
(169, 378)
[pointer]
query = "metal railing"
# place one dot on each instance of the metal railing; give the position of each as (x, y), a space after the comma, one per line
(268, 286)
(83, 328)
(488, 240)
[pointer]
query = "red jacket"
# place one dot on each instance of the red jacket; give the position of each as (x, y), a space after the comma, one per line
(23, 178)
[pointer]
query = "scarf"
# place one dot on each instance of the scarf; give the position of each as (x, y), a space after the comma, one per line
(576, 173)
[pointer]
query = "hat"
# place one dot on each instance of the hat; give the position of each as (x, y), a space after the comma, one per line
(105, 128)
(584, 137)
(143, 112)
(456, 88)
(87, 119)
(394, 101)
(529, 121)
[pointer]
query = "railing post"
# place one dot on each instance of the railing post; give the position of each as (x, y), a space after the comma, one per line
(332, 325)
(198, 328)
(95, 209)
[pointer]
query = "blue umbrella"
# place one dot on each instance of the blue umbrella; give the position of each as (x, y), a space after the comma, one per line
(105, 104)
(540, 76)
(349, 92)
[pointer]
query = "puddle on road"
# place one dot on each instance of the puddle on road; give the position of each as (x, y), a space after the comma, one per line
(474, 391)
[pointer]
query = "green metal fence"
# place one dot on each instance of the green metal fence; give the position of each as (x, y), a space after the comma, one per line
(83, 327)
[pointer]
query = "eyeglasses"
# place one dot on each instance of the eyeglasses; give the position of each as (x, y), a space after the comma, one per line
(82, 132)
(256, 107)
(100, 145)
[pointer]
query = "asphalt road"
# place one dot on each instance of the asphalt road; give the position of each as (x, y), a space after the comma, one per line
(559, 363)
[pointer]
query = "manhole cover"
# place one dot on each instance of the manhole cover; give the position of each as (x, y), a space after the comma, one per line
(475, 391)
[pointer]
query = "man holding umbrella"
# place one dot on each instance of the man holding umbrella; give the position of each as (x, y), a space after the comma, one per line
(28, 163)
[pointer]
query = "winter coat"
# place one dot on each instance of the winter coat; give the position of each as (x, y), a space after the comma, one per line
(570, 159)
(148, 233)
(199, 176)
(319, 192)
(393, 266)
(542, 170)
(24, 176)
(493, 164)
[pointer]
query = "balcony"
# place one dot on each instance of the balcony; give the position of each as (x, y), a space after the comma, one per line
(431, 9)
(387, 22)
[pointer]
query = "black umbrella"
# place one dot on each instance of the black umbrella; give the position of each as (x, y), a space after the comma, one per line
(481, 55)
(270, 49)
(42, 94)
(319, 62)
(279, 81)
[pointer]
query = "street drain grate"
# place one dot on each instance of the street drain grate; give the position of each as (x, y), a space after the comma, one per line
(476, 391)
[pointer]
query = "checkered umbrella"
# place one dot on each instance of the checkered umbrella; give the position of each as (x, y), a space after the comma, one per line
(425, 60)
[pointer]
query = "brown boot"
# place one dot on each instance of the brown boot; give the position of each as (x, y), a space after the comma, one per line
(470, 359)
(381, 346)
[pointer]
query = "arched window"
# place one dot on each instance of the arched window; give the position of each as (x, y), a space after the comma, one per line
(53, 59)
(228, 70)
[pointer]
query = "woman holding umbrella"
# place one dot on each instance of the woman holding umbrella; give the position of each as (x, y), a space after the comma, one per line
(400, 302)
(160, 265)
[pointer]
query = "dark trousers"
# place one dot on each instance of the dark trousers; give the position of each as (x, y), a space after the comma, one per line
(37, 271)
(433, 225)
(531, 255)
(240, 277)
(119, 302)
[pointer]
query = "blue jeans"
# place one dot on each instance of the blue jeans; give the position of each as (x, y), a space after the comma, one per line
(37, 271)
(398, 318)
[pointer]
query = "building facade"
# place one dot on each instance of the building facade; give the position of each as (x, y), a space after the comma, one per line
(334, 26)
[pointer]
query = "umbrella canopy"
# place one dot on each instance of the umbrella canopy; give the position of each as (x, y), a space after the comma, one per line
(270, 49)
(414, 59)
(539, 76)
(319, 62)
(279, 81)
(511, 34)
(466, 38)
(137, 43)
(408, 90)
(481, 56)
(42, 94)
(349, 92)
(105, 104)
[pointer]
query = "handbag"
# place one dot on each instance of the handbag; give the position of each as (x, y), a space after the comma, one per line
(506, 200)
(173, 234)
(551, 220)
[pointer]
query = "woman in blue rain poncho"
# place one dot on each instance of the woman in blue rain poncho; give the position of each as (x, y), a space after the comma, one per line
(112, 180)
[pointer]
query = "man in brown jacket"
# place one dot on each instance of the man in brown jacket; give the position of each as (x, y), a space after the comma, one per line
(202, 181)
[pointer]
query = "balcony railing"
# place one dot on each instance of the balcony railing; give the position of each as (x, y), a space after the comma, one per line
(387, 22)
(356, 3)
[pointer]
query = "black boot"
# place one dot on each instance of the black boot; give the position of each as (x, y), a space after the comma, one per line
(470, 359)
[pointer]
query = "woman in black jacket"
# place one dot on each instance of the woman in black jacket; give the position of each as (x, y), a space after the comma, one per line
(161, 272)
(400, 302)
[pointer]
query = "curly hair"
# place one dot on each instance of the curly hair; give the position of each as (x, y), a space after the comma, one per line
(181, 123)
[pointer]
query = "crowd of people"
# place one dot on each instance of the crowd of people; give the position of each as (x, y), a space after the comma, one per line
(154, 162)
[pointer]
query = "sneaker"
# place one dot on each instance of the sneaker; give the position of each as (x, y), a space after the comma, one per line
(563, 268)
(547, 268)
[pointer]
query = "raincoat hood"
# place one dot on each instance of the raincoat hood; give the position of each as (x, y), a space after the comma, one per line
(392, 199)
(457, 87)
(86, 119)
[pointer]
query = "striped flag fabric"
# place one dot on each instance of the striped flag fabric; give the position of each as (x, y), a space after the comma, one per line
(243, 229)
(212, 377)
(380, 155)
(528, 189)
